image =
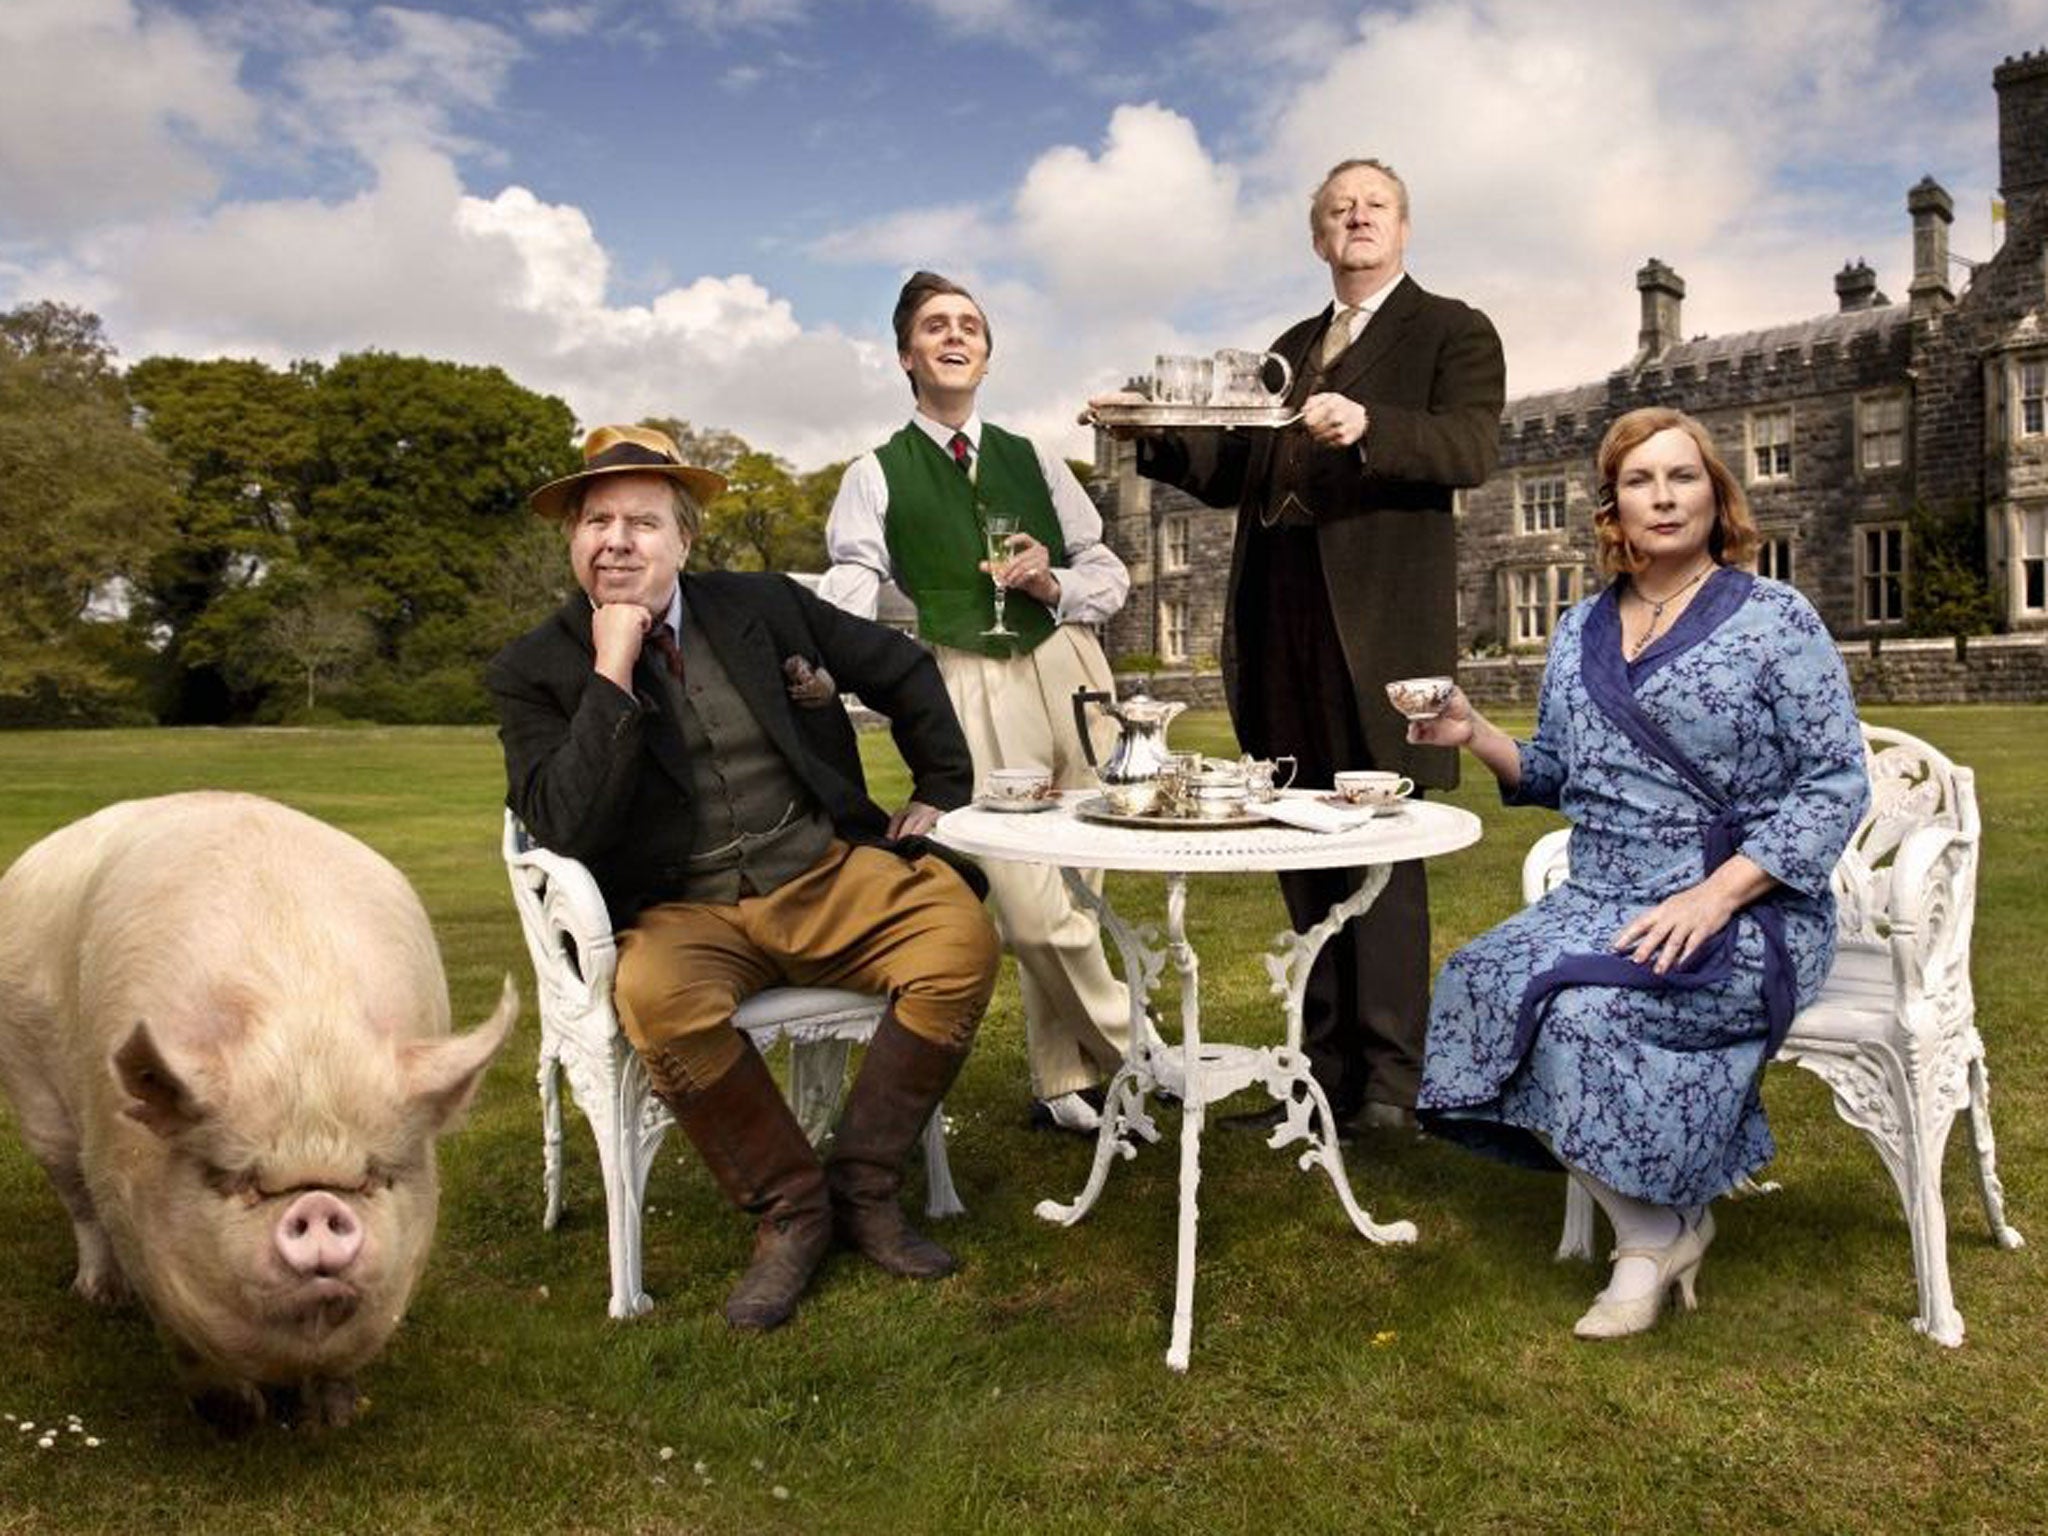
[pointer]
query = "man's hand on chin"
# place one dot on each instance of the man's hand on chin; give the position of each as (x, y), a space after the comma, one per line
(616, 631)
(914, 820)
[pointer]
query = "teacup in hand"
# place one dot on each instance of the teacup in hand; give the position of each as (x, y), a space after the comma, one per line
(1420, 698)
(1372, 786)
(1019, 786)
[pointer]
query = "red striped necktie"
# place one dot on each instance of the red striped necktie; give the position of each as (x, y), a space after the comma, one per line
(962, 450)
(663, 639)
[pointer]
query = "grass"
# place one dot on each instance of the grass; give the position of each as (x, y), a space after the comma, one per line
(1335, 1386)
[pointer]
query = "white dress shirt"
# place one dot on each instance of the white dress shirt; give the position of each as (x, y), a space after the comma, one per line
(1093, 584)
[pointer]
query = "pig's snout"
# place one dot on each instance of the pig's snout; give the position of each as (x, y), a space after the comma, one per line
(318, 1235)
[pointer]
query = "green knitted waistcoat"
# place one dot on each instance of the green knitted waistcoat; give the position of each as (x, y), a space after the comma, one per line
(935, 539)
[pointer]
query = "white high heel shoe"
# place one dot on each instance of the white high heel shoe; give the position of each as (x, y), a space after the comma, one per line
(1678, 1265)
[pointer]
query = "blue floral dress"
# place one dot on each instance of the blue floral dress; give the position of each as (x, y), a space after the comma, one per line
(1735, 731)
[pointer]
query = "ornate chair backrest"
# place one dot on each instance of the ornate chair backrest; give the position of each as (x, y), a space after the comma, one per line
(557, 901)
(1911, 786)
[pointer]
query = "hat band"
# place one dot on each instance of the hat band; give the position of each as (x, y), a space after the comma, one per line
(629, 453)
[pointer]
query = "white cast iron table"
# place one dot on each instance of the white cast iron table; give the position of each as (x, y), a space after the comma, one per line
(1198, 1072)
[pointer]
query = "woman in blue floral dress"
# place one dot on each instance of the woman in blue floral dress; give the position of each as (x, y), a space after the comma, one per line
(1697, 727)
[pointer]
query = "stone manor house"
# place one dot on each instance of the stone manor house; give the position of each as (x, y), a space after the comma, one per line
(1840, 426)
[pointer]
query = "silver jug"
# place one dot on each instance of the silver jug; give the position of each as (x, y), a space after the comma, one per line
(1130, 779)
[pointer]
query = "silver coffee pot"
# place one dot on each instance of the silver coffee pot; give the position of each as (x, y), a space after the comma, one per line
(1130, 778)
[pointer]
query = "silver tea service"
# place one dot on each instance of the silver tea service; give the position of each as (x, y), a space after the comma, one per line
(1263, 777)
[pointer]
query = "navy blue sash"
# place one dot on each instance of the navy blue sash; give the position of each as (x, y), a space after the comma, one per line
(1611, 682)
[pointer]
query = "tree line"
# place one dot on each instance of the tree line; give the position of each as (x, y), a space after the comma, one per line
(220, 541)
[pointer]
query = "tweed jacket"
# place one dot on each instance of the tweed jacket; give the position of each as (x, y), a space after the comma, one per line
(602, 776)
(1430, 374)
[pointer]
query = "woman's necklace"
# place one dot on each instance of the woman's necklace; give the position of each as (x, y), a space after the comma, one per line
(1657, 605)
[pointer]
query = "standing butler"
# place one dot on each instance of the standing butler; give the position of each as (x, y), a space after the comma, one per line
(1343, 577)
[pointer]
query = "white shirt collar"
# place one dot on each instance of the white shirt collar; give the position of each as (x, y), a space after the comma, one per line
(1371, 306)
(942, 434)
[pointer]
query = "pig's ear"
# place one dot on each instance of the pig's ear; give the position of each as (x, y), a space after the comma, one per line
(441, 1075)
(158, 1097)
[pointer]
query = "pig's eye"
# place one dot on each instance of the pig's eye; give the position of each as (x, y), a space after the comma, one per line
(231, 1183)
(377, 1178)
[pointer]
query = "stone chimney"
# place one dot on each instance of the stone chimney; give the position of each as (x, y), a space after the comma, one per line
(1933, 210)
(1856, 286)
(2022, 86)
(1663, 291)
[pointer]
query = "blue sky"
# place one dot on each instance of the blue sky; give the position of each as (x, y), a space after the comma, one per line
(703, 209)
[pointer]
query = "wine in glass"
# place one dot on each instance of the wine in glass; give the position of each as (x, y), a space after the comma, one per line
(997, 529)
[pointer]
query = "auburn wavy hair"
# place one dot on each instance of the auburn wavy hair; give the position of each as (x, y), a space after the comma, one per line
(1734, 538)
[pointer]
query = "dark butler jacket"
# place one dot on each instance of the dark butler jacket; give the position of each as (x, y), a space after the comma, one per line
(1430, 374)
(603, 778)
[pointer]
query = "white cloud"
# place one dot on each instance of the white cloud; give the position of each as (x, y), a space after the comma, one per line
(723, 16)
(413, 264)
(1549, 153)
(1151, 219)
(911, 236)
(1030, 24)
(394, 78)
(126, 137)
(1754, 146)
(563, 20)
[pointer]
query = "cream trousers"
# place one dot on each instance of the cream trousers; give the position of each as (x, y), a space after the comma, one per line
(1018, 711)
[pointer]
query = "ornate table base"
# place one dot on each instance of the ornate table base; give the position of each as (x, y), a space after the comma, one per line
(1200, 1074)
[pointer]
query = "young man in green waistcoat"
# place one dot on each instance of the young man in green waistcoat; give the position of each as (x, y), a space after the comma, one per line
(912, 512)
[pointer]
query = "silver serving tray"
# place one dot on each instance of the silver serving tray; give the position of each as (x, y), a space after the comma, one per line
(1156, 415)
(1098, 808)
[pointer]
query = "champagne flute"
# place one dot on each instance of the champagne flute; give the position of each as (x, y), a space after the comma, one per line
(997, 529)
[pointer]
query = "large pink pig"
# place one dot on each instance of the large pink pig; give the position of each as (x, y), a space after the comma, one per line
(224, 1027)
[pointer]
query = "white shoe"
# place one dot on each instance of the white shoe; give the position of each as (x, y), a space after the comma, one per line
(1071, 1112)
(1678, 1267)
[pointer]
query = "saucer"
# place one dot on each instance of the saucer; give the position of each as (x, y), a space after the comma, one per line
(1380, 808)
(1016, 807)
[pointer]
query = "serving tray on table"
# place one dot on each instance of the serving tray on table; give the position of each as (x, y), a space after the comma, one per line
(1098, 808)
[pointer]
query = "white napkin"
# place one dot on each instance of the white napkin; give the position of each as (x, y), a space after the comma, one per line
(1314, 814)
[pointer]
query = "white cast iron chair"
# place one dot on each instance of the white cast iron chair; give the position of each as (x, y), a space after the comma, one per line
(569, 938)
(1893, 1032)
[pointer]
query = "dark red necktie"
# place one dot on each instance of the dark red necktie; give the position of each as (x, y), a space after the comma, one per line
(961, 449)
(663, 639)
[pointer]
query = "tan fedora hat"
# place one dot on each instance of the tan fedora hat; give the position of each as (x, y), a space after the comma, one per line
(627, 451)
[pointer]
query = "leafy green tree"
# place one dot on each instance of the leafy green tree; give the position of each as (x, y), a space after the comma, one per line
(1946, 589)
(59, 337)
(803, 548)
(319, 634)
(769, 519)
(84, 505)
(422, 472)
(740, 526)
(706, 447)
(242, 434)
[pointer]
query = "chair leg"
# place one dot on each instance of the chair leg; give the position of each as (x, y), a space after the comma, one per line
(1988, 1185)
(817, 1078)
(1924, 1138)
(551, 1139)
(1576, 1241)
(628, 1125)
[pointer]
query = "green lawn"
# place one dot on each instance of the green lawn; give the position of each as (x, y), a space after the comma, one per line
(1335, 1386)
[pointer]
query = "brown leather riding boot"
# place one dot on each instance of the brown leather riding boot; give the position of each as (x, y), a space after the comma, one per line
(743, 1129)
(901, 1081)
